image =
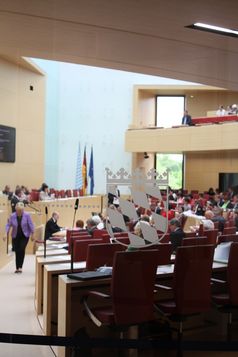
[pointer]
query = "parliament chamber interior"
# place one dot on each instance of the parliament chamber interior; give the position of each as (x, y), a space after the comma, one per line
(101, 252)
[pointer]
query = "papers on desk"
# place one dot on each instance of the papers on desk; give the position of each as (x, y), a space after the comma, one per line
(165, 269)
(89, 275)
(222, 252)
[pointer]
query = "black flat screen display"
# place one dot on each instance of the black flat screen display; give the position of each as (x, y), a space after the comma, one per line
(227, 180)
(7, 143)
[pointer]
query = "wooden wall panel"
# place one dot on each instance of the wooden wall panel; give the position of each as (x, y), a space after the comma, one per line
(23, 109)
(202, 169)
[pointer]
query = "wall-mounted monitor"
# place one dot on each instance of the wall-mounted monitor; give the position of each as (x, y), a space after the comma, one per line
(227, 179)
(7, 143)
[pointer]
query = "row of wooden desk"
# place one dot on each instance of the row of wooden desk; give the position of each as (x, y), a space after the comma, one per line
(59, 298)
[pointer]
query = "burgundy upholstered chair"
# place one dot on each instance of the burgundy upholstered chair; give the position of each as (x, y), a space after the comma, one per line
(195, 241)
(101, 254)
(227, 238)
(191, 287)
(80, 248)
(227, 302)
(128, 304)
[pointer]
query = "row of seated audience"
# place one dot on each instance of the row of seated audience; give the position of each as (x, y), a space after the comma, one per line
(209, 212)
(22, 194)
(230, 110)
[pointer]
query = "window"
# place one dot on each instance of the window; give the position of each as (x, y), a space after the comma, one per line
(169, 111)
(173, 162)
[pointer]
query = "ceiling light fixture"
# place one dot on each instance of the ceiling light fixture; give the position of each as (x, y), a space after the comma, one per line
(215, 29)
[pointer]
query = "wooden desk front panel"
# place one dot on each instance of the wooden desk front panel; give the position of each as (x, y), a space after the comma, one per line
(40, 262)
(65, 207)
(70, 309)
(183, 139)
(50, 293)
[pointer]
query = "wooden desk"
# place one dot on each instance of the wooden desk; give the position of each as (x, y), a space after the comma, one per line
(69, 301)
(50, 293)
(51, 252)
(192, 221)
(65, 207)
(52, 245)
(40, 262)
(70, 310)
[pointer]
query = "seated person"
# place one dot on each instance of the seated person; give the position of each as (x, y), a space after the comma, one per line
(208, 224)
(218, 217)
(44, 193)
(220, 111)
(187, 204)
(17, 197)
(199, 209)
(176, 234)
(91, 226)
(7, 192)
(80, 224)
(226, 203)
(51, 227)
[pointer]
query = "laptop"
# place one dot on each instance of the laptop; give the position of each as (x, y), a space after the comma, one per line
(90, 275)
(222, 252)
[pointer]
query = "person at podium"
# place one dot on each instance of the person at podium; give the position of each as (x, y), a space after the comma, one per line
(187, 119)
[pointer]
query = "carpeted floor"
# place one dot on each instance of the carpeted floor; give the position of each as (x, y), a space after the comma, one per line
(17, 311)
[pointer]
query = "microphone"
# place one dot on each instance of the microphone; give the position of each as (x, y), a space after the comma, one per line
(32, 207)
(46, 210)
(76, 205)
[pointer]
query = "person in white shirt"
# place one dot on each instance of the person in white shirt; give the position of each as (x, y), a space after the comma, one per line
(221, 111)
(44, 193)
(208, 224)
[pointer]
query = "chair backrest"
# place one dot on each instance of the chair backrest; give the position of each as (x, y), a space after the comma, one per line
(102, 254)
(98, 233)
(132, 287)
(62, 193)
(227, 238)
(165, 239)
(124, 240)
(190, 234)
(212, 235)
(164, 251)
(35, 195)
(229, 230)
(75, 193)
(68, 193)
(39, 233)
(81, 248)
(120, 234)
(195, 241)
(192, 275)
(76, 234)
(232, 271)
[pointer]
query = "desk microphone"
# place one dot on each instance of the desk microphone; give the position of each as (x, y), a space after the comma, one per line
(32, 207)
(46, 219)
(76, 205)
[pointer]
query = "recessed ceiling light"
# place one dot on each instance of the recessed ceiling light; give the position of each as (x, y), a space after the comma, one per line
(215, 29)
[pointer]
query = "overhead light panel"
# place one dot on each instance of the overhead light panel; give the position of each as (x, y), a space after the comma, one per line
(214, 29)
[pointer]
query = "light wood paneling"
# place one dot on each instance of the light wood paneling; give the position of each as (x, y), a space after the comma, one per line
(23, 109)
(183, 139)
(202, 169)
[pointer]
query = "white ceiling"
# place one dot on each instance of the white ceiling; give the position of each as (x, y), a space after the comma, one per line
(147, 36)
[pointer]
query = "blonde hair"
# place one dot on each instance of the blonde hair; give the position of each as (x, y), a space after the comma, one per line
(20, 205)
